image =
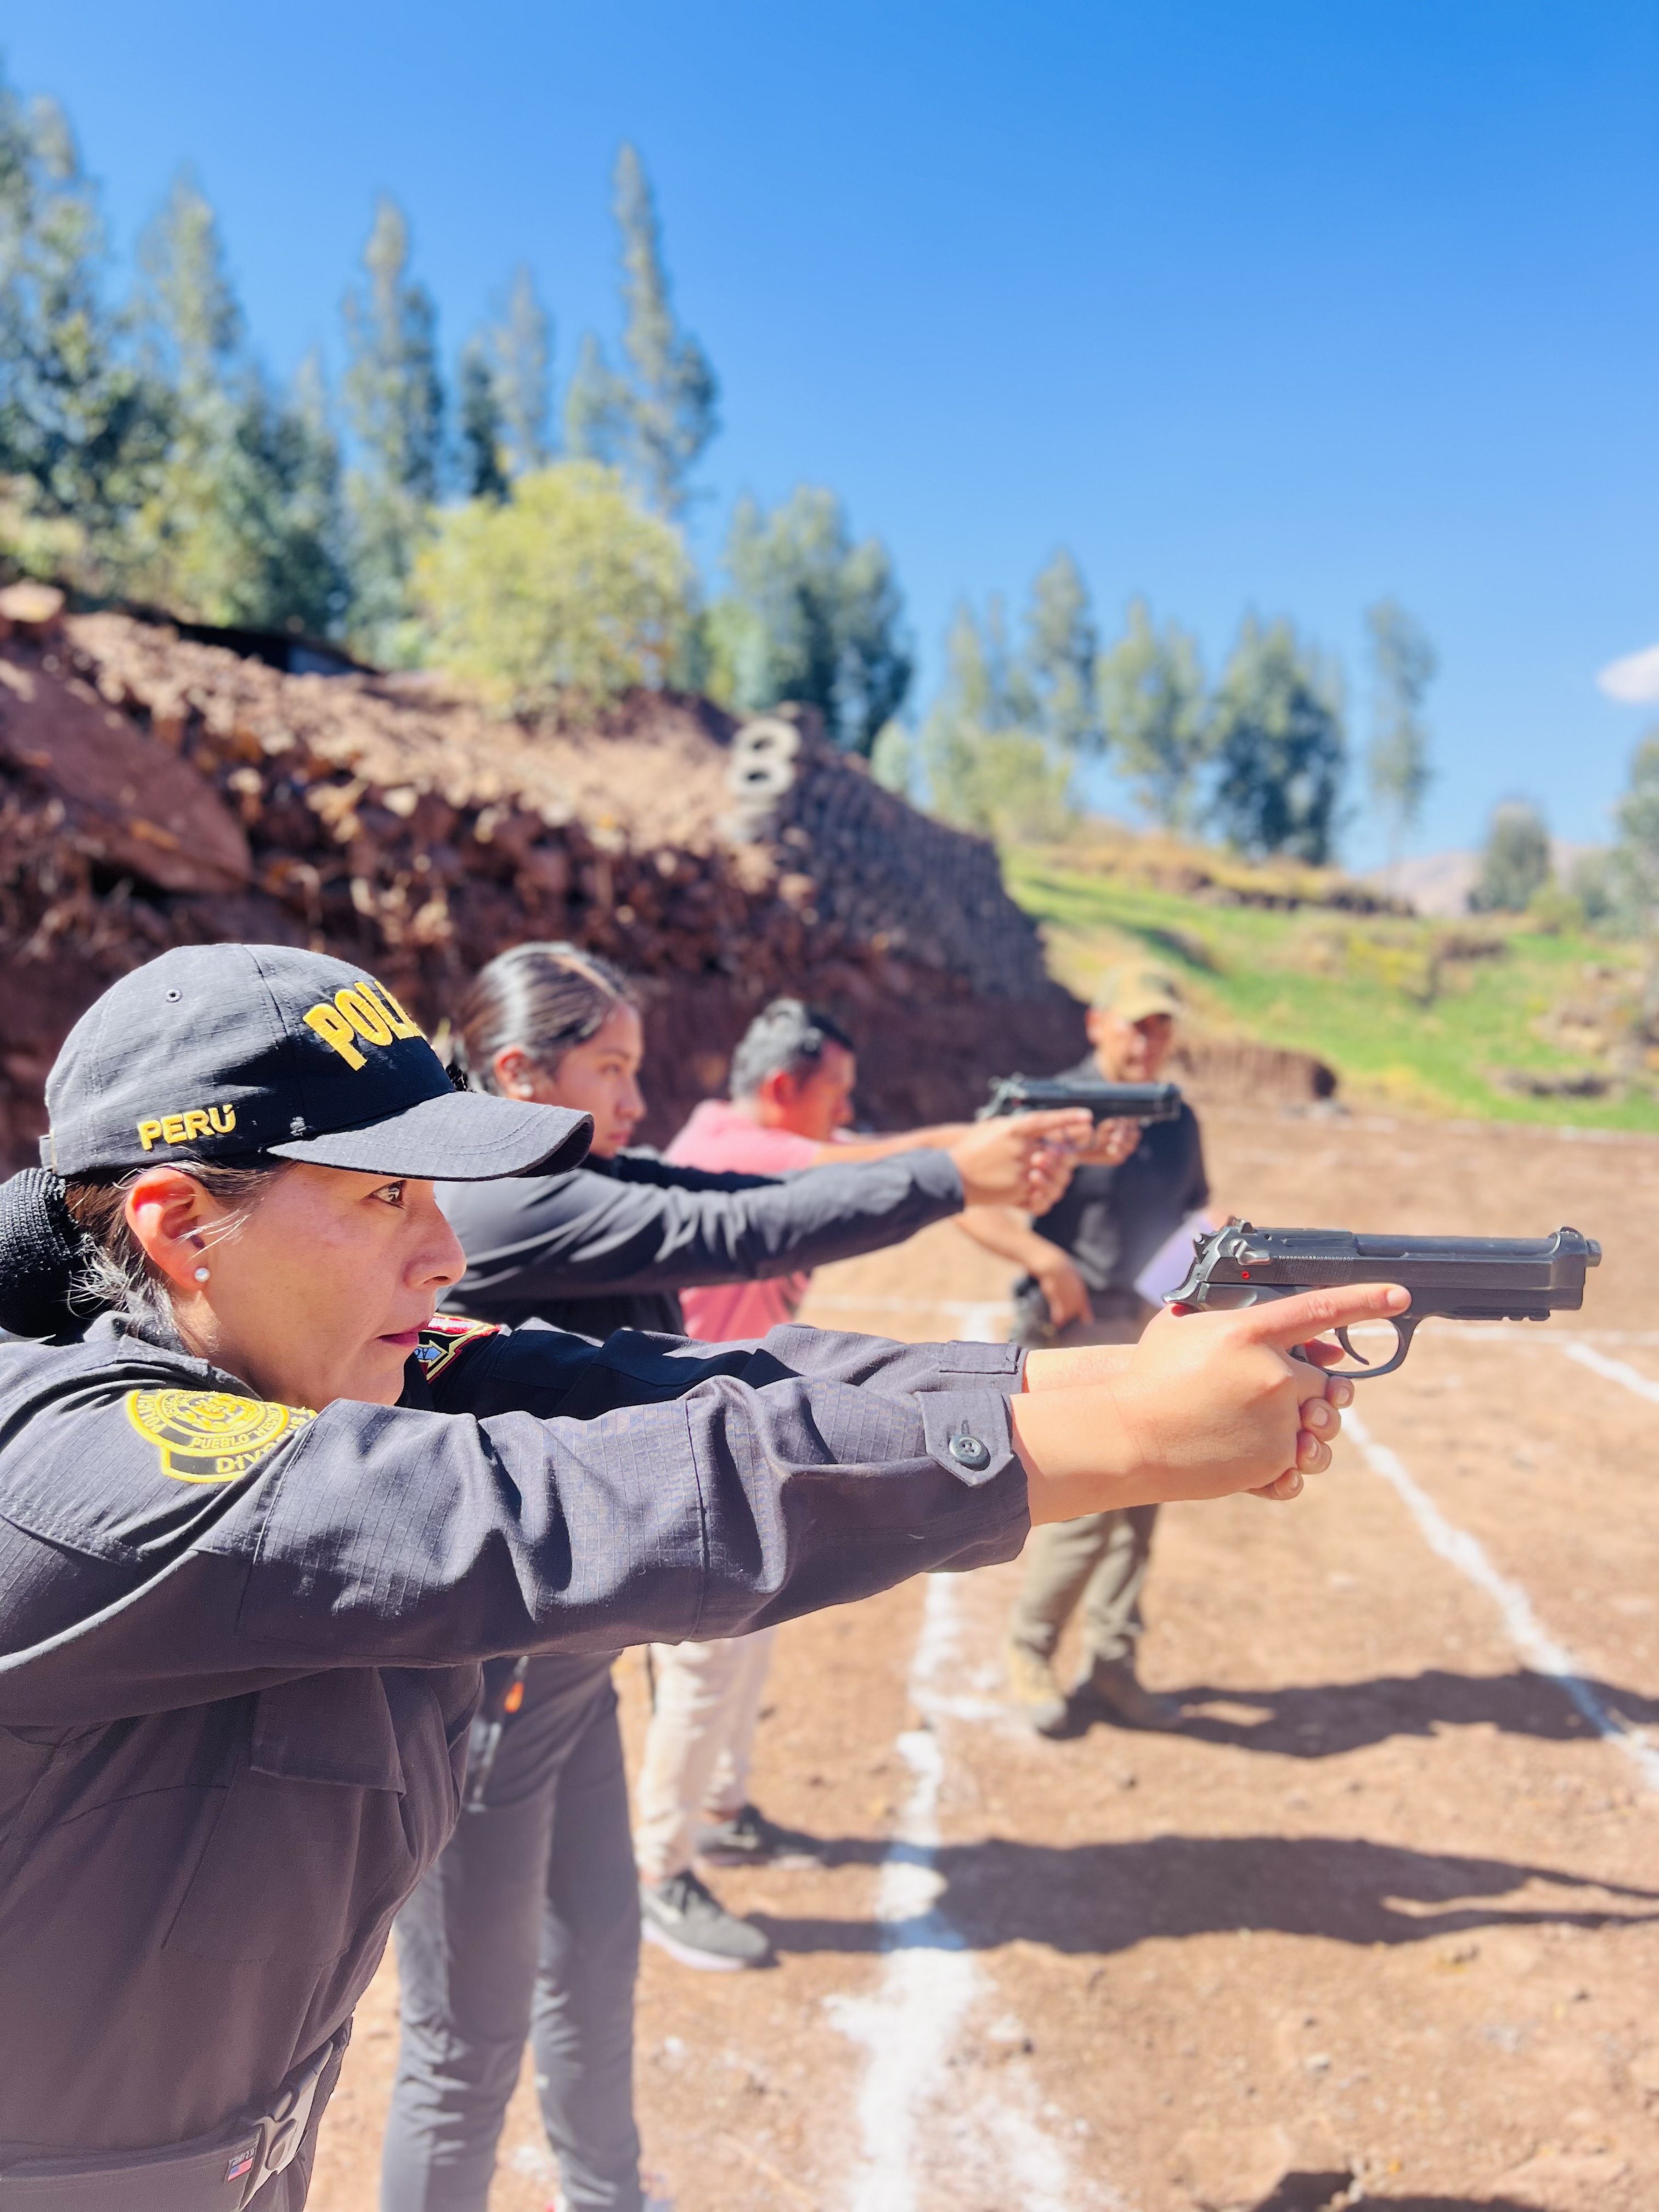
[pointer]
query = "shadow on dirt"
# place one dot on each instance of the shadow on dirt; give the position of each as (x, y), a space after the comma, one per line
(1105, 1897)
(1326, 2192)
(1323, 1720)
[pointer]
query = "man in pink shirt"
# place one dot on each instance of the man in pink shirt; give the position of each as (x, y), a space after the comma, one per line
(792, 1077)
(792, 1095)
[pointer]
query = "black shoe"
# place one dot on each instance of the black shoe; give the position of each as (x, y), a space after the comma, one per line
(749, 1839)
(691, 1924)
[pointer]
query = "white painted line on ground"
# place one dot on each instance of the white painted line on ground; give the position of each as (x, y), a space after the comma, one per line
(911, 2022)
(929, 1979)
(1526, 1632)
(1613, 1371)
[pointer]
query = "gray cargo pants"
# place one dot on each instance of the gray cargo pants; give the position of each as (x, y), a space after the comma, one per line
(1101, 1559)
(527, 1926)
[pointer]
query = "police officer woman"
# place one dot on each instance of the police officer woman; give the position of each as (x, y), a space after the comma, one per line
(528, 1924)
(260, 1522)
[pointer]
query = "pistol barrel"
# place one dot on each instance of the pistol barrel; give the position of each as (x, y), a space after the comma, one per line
(1457, 1277)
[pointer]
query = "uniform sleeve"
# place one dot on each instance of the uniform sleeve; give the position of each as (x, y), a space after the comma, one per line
(583, 1234)
(678, 1494)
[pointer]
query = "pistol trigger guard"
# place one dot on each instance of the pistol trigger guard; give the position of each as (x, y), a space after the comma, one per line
(1404, 1330)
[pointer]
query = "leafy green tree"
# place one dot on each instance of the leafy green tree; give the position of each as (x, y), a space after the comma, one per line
(395, 399)
(1595, 881)
(1061, 646)
(1154, 716)
(655, 420)
(810, 617)
(988, 770)
(240, 522)
(1280, 748)
(1635, 860)
(1515, 861)
(1403, 665)
(567, 587)
(80, 424)
(483, 472)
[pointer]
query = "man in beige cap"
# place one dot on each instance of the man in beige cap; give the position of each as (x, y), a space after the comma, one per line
(1130, 1194)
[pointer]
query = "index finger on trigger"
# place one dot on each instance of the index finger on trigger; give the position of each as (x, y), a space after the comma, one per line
(1285, 1321)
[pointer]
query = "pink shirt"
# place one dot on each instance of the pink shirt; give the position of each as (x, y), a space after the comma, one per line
(726, 1142)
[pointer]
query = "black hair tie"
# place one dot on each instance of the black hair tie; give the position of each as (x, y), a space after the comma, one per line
(40, 1247)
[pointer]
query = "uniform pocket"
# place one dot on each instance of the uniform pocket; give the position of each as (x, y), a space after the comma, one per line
(312, 1845)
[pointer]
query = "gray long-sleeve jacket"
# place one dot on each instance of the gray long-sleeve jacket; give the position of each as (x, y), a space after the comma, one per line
(240, 1645)
(609, 1244)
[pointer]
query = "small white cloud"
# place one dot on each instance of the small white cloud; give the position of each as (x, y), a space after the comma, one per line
(1634, 678)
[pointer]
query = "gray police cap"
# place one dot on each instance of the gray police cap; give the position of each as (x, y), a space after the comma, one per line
(216, 1051)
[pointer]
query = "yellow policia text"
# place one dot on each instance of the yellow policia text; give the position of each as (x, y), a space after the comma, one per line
(366, 1010)
(186, 1129)
(207, 1436)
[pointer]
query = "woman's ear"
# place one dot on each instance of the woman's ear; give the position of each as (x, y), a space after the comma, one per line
(514, 1071)
(167, 1211)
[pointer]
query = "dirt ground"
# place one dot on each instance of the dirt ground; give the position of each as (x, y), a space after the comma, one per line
(1379, 1924)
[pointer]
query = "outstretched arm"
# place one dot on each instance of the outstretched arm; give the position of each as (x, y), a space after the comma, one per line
(657, 1227)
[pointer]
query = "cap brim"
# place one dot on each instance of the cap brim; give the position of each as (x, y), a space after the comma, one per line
(1138, 1009)
(460, 1136)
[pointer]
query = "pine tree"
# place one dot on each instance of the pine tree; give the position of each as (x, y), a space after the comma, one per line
(1062, 644)
(1280, 746)
(395, 399)
(1403, 665)
(310, 570)
(987, 769)
(241, 523)
(483, 474)
(655, 420)
(522, 344)
(811, 616)
(1154, 716)
(81, 426)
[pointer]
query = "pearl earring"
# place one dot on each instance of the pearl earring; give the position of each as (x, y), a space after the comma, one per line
(201, 1274)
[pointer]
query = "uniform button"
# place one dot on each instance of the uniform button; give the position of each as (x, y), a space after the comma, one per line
(970, 1452)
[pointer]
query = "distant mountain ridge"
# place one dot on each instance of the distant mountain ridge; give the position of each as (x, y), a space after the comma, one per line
(1439, 883)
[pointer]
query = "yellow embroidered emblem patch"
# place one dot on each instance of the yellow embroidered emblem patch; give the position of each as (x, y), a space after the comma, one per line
(208, 1435)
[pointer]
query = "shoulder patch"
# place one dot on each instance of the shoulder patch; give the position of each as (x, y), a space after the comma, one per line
(208, 1435)
(445, 1338)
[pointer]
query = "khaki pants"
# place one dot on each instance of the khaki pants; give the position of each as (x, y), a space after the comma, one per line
(704, 1713)
(1101, 1559)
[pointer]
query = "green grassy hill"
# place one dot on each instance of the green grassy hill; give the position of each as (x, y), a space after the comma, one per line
(1491, 1018)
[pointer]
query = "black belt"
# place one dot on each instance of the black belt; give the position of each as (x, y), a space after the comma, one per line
(221, 2173)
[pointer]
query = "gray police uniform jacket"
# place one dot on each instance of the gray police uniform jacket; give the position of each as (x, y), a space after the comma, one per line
(240, 1646)
(608, 1245)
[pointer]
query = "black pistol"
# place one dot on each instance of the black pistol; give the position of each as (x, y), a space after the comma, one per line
(1459, 1277)
(1107, 1101)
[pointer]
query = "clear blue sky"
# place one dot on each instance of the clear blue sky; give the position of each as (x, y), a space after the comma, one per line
(1276, 305)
